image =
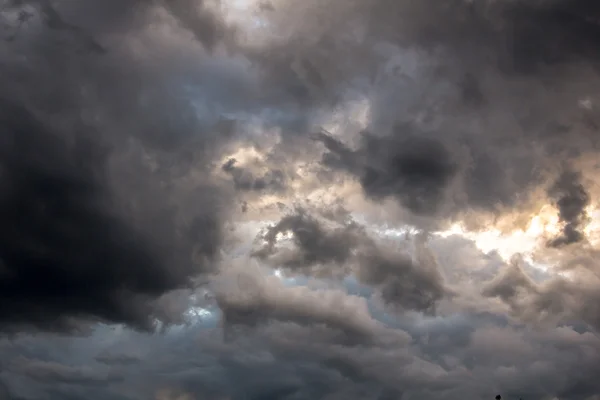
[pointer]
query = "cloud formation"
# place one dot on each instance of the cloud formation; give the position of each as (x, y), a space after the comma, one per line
(409, 281)
(299, 200)
(99, 219)
(571, 198)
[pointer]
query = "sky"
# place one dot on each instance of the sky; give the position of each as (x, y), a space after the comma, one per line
(299, 200)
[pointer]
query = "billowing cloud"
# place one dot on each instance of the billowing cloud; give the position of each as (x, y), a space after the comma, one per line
(409, 281)
(246, 299)
(299, 200)
(571, 198)
(315, 244)
(100, 220)
(435, 150)
(413, 169)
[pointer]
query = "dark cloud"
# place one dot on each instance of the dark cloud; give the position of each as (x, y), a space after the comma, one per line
(428, 175)
(559, 299)
(69, 250)
(417, 172)
(315, 244)
(413, 169)
(570, 198)
(116, 199)
(454, 132)
(4, 393)
(51, 372)
(101, 210)
(206, 26)
(69, 18)
(521, 36)
(116, 359)
(300, 343)
(403, 281)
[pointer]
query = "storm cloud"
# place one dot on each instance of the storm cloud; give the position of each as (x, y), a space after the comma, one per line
(418, 189)
(571, 198)
(85, 186)
(410, 281)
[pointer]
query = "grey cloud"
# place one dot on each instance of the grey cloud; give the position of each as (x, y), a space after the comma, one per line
(51, 372)
(404, 282)
(532, 345)
(433, 152)
(4, 393)
(467, 378)
(510, 283)
(250, 300)
(114, 113)
(558, 299)
(413, 169)
(447, 174)
(467, 355)
(336, 212)
(62, 218)
(116, 359)
(461, 262)
(571, 199)
(315, 244)
(206, 26)
(521, 36)
(106, 203)
(244, 180)
(416, 172)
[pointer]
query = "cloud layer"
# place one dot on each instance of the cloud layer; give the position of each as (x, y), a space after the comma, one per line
(299, 200)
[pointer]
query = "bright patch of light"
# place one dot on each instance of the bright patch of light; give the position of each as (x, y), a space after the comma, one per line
(586, 103)
(245, 155)
(288, 281)
(281, 236)
(400, 232)
(193, 316)
(249, 15)
(592, 229)
(544, 225)
(354, 115)
(198, 312)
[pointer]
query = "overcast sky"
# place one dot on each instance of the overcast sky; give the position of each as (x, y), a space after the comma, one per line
(299, 200)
